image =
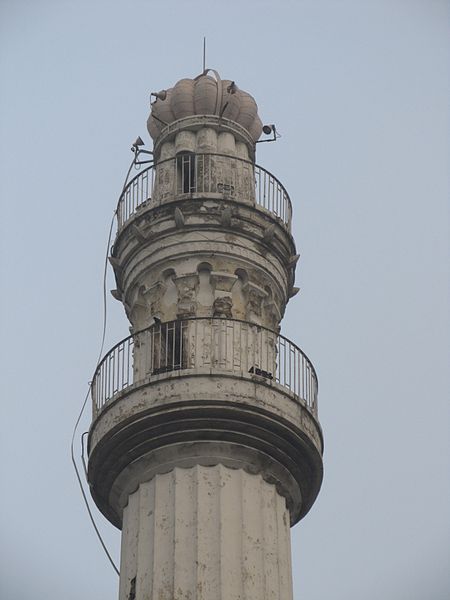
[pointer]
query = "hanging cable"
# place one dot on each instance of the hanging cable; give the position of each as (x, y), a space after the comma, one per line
(88, 508)
(77, 422)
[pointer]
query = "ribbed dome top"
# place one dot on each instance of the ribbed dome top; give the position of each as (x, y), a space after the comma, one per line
(205, 95)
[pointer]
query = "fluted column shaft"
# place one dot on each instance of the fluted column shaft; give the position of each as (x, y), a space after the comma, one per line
(206, 533)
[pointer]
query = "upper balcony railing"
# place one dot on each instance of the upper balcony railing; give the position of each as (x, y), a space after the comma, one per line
(205, 345)
(227, 176)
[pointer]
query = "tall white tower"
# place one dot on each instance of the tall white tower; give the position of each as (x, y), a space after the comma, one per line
(205, 447)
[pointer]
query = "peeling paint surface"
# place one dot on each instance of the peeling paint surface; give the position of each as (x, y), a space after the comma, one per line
(206, 533)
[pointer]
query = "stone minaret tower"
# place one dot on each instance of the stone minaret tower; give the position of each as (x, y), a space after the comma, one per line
(205, 446)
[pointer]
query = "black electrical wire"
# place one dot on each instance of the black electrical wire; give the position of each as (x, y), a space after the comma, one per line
(77, 422)
(80, 483)
(88, 508)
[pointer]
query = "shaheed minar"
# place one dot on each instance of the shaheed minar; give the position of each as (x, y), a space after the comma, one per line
(205, 448)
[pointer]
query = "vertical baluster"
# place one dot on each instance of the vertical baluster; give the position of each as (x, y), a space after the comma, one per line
(107, 372)
(278, 200)
(269, 192)
(110, 375)
(261, 184)
(166, 345)
(174, 345)
(230, 345)
(189, 167)
(158, 333)
(173, 165)
(251, 336)
(106, 395)
(102, 385)
(225, 344)
(261, 188)
(152, 349)
(131, 360)
(123, 381)
(238, 338)
(122, 366)
(294, 369)
(118, 354)
(98, 386)
(180, 350)
(181, 161)
(153, 179)
(260, 349)
(156, 352)
(105, 381)
(264, 203)
(279, 360)
(116, 363)
(308, 374)
(303, 379)
(258, 186)
(244, 347)
(206, 327)
(196, 176)
(278, 365)
(266, 367)
(316, 391)
(94, 393)
(233, 332)
(130, 202)
(126, 363)
(276, 207)
(130, 208)
(114, 371)
(289, 354)
(108, 379)
(273, 200)
(270, 203)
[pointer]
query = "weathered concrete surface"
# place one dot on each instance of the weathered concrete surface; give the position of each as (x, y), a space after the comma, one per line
(205, 419)
(206, 533)
(205, 470)
(182, 271)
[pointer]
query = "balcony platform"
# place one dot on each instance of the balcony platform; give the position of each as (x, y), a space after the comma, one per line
(188, 393)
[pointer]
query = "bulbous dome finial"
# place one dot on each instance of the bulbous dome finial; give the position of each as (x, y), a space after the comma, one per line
(204, 95)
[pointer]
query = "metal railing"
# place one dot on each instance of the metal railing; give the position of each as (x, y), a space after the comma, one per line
(205, 344)
(228, 176)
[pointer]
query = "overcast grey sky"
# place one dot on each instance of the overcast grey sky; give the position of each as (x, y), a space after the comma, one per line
(359, 91)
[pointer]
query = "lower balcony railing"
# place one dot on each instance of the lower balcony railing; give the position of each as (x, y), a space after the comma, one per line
(231, 346)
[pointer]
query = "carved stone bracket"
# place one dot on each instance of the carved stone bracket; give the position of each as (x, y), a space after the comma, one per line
(186, 287)
(222, 283)
(272, 310)
(153, 296)
(255, 297)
